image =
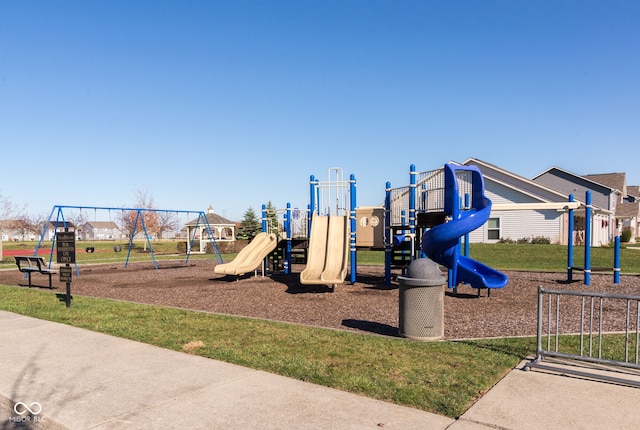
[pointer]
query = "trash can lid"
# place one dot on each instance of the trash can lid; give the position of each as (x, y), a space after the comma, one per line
(422, 272)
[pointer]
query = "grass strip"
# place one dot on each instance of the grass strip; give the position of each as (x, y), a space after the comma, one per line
(502, 256)
(440, 377)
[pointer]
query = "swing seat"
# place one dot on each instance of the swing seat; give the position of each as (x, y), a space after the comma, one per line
(90, 249)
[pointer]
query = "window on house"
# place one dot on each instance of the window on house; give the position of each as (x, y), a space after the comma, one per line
(493, 229)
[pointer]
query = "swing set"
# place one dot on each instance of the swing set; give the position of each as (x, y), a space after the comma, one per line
(57, 219)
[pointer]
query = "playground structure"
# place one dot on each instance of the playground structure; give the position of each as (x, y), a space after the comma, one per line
(57, 219)
(328, 251)
(322, 238)
(428, 203)
(443, 206)
(441, 243)
(332, 230)
(291, 226)
(275, 247)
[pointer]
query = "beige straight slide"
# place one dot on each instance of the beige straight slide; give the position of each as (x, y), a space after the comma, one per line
(251, 256)
(328, 251)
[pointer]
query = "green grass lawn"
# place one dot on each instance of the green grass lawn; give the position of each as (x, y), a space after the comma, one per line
(440, 377)
(104, 252)
(502, 256)
(538, 257)
(535, 257)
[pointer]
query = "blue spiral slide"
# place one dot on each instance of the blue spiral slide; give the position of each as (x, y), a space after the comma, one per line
(441, 243)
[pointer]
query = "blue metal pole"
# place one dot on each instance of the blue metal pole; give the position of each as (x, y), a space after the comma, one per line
(309, 216)
(191, 238)
(146, 235)
(412, 200)
(287, 250)
(616, 261)
(312, 202)
(59, 216)
(570, 228)
(352, 235)
(422, 205)
(44, 232)
(212, 240)
(133, 234)
(587, 240)
(265, 228)
(452, 209)
(467, 205)
(387, 234)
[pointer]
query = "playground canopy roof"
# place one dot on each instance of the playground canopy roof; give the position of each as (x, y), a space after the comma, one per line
(212, 219)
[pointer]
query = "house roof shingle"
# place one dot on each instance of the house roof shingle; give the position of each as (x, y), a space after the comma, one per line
(628, 210)
(212, 219)
(103, 224)
(528, 186)
(616, 181)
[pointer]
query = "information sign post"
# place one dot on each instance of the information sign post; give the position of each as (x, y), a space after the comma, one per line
(66, 254)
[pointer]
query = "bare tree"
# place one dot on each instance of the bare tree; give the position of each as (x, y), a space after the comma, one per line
(131, 220)
(37, 223)
(166, 221)
(78, 220)
(12, 217)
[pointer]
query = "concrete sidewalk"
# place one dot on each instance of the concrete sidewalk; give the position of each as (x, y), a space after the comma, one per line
(87, 380)
(558, 395)
(72, 378)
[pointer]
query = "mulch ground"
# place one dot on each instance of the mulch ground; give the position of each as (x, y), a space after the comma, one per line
(368, 306)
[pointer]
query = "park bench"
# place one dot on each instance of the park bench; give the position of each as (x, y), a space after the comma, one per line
(31, 264)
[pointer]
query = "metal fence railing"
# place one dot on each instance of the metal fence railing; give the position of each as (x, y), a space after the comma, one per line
(588, 326)
(429, 194)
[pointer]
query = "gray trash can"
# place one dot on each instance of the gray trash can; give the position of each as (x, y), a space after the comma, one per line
(422, 301)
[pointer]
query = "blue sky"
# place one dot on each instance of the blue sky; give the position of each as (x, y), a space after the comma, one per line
(236, 103)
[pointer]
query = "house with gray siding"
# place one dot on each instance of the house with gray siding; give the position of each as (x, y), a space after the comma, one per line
(608, 194)
(15, 230)
(525, 208)
(627, 208)
(521, 209)
(629, 212)
(100, 230)
(54, 226)
(628, 216)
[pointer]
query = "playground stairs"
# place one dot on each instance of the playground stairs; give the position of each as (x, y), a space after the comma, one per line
(276, 259)
(299, 250)
(402, 251)
(401, 255)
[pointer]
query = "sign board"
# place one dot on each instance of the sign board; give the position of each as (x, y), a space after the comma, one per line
(66, 247)
(65, 274)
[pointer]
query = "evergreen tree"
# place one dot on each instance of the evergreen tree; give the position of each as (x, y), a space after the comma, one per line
(250, 225)
(272, 218)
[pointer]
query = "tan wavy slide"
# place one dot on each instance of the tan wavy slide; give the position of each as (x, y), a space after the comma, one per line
(250, 257)
(328, 251)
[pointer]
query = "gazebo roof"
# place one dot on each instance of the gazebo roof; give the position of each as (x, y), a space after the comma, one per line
(212, 218)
